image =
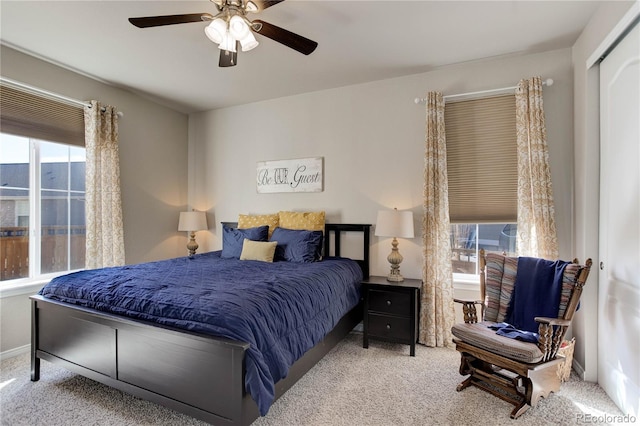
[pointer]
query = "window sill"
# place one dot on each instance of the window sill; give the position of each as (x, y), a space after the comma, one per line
(466, 282)
(24, 288)
(28, 286)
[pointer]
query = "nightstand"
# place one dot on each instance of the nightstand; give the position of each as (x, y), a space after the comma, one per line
(391, 310)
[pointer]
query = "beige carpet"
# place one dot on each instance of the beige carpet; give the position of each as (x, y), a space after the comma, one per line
(381, 385)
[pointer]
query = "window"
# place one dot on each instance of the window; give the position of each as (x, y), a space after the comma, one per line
(42, 193)
(467, 239)
(483, 179)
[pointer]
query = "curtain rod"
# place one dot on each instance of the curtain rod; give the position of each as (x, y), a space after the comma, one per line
(547, 82)
(47, 94)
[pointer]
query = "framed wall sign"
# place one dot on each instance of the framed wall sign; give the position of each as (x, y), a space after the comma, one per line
(299, 175)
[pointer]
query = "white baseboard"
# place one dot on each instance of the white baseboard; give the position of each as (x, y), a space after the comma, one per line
(579, 369)
(15, 352)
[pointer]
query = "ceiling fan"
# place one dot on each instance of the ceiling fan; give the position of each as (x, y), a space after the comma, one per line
(231, 28)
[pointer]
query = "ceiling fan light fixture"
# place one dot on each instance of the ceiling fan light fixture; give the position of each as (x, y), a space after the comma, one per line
(238, 27)
(228, 43)
(231, 30)
(248, 42)
(216, 30)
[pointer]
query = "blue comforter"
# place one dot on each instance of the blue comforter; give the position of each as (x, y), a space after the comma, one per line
(281, 309)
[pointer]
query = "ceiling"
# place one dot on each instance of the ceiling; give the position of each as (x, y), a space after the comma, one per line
(359, 41)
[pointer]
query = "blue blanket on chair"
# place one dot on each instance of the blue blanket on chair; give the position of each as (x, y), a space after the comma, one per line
(507, 330)
(536, 293)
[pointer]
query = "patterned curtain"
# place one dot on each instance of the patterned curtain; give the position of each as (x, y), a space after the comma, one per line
(536, 235)
(103, 209)
(437, 314)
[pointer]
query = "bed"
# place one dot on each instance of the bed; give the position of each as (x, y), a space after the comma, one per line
(202, 372)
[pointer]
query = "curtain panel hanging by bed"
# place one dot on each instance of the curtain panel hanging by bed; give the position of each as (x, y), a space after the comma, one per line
(103, 208)
(437, 314)
(536, 234)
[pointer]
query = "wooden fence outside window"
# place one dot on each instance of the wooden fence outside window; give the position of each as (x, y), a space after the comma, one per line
(14, 250)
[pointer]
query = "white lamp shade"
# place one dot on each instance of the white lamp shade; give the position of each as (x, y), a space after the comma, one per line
(216, 30)
(228, 43)
(248, 42)
(238, 28)
(192, 221)
(394, 223)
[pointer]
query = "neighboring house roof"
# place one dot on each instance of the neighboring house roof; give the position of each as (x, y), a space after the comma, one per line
(53, 176)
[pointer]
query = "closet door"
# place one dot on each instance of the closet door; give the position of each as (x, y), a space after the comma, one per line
(619, 269)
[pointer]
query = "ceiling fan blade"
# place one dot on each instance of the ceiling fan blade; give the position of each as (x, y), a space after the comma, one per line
(158, 21)
(289, 39)
(263, 4)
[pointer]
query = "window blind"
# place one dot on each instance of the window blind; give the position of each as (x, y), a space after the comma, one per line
(34, 116)
(482, 160)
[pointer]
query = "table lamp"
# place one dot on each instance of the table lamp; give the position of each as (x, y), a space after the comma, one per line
(191, 222)
(396, 224)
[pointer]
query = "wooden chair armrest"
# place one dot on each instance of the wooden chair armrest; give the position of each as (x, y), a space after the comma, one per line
(470, 314)
(478, 302)
(553, 321)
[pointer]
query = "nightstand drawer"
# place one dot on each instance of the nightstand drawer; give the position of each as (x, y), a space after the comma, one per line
(390, 302)
(395, 328)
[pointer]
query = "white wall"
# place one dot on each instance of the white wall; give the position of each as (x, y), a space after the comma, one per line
(587, 158)
(153, 171)
(372, 139)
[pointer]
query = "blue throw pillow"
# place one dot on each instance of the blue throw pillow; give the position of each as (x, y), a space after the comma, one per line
(297, 245)
(232, 239)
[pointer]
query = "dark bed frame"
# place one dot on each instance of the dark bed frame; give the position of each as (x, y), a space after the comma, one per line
(198, 375)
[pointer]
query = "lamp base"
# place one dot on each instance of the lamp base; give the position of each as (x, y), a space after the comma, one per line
(395, 258)
(192, 246)
(395, 278)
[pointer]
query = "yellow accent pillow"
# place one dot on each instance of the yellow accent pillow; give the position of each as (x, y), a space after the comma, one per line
(251, 221)
(258, 250)
(310, 221)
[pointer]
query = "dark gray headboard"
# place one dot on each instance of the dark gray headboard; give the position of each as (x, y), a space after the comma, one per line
(338, 229)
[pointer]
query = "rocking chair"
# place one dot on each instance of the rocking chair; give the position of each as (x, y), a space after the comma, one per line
(517, 371)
